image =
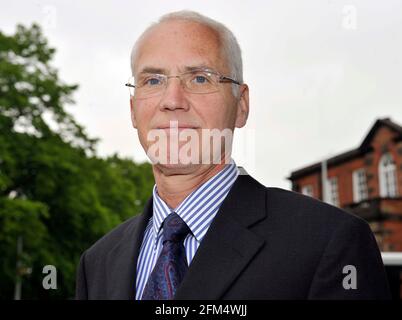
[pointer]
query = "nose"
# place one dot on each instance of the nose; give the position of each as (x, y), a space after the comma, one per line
(174, 96)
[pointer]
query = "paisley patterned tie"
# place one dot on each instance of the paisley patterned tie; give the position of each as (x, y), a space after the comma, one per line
(171, 265)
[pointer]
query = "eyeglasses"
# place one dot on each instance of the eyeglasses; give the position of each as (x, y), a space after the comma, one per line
(199, 81)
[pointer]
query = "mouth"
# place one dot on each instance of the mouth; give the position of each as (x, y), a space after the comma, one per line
(180, 127)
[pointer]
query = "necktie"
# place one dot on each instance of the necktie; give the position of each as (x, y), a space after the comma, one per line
(171, 265)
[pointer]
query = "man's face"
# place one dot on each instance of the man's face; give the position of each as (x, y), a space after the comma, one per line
(172, 47)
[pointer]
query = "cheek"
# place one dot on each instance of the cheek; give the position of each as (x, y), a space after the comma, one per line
(217, 112)
(143, 116)
(143, 112)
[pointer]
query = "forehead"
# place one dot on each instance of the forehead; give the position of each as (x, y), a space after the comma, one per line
(173, 45)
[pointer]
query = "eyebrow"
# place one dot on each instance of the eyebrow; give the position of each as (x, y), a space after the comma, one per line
(153, 70)
(197, 67)
(150, 69)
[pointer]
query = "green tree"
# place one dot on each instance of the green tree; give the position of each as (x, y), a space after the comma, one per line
(55, 192)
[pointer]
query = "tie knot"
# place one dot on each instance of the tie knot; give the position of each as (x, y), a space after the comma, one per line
(174, 228)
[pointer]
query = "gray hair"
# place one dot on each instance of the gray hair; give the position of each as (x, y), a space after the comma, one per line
(229, 45)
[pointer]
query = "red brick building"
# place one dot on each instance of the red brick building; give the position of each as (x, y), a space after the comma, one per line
(366, 181)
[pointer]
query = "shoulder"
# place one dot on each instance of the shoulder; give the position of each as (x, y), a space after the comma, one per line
(291, 208)
(307, 227)
(299, 210)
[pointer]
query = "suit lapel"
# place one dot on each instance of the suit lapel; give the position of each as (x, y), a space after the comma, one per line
(228, 245)
(122, 259)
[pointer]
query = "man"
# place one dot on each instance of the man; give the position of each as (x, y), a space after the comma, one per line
(209, 230)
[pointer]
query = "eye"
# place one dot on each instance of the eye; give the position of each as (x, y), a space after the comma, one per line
(152, 82)
(201, 78)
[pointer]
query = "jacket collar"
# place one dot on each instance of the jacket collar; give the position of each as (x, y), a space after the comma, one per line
(229, 243)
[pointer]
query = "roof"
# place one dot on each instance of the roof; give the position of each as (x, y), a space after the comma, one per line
(363, 148)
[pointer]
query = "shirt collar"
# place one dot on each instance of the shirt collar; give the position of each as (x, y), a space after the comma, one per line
(161, 210)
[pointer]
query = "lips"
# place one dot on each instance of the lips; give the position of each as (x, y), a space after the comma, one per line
(182, 126)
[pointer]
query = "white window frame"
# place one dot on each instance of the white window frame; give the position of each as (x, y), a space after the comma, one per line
(333, 194)
(387, 176)
(308, 190)
(360, 191)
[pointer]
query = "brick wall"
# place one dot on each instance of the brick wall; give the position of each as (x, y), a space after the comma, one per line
(382, 142)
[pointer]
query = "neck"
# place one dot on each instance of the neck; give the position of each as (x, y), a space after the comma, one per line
(174, 187)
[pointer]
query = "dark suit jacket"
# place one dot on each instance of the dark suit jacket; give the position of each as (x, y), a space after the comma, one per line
(264, 243)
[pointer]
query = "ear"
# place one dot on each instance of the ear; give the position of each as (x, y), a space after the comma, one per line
(242, 107)
(133, 121)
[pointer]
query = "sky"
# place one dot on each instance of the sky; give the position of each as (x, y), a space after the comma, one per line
(320, 72)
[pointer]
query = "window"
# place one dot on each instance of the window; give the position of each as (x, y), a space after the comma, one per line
(359, 185)
(333, 197)
(308, 190)
(387, 176)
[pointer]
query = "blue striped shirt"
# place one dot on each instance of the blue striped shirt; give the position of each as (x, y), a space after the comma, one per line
(197, 210)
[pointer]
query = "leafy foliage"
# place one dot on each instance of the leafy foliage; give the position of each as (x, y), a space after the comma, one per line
(55, 192)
